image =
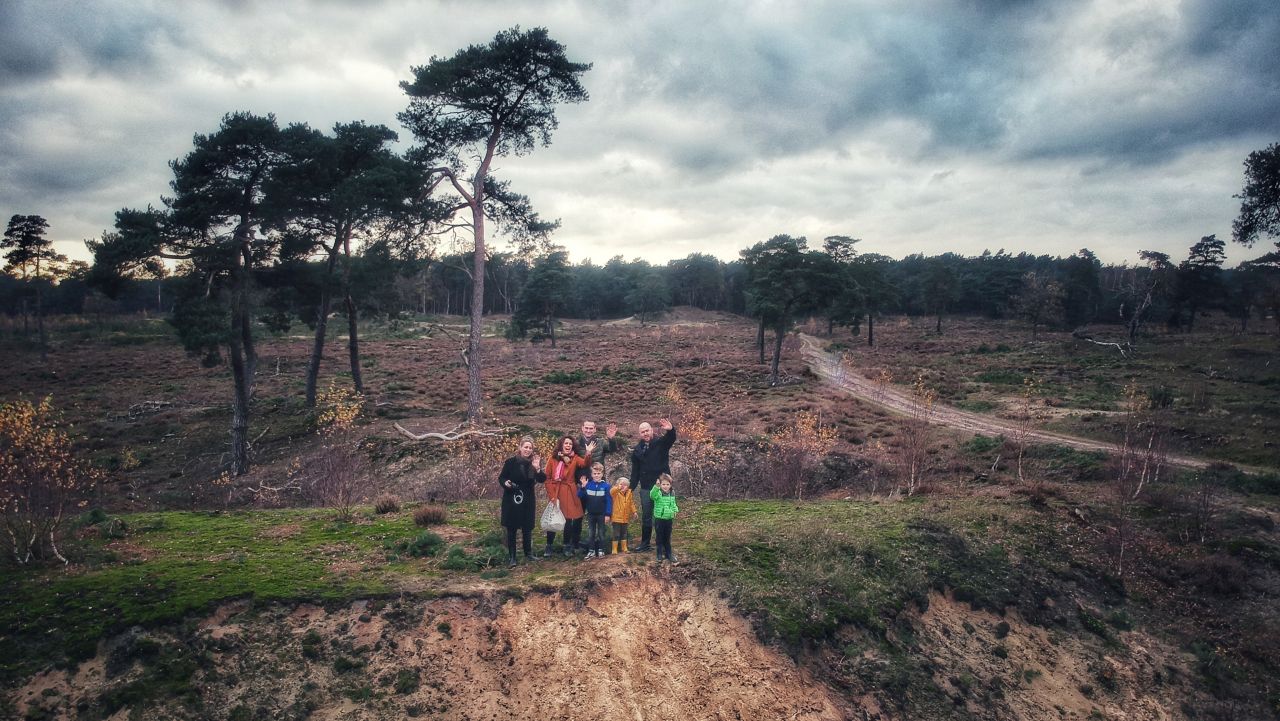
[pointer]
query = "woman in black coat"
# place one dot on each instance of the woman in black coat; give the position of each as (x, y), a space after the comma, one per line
(518, 475)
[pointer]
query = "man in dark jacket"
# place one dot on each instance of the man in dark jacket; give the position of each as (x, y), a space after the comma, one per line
(589, 443)
(650, 459)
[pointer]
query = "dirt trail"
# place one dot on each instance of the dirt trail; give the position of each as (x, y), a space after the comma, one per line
(828, 367)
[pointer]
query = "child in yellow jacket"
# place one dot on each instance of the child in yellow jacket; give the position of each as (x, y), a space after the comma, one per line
(624, 508)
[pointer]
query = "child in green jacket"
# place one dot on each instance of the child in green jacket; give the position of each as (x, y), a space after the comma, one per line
(664, 515)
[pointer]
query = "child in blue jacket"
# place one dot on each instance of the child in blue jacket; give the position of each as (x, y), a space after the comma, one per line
(597, 503)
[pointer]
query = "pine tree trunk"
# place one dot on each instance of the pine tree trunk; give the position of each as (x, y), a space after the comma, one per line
(475, 395)
(322, 328)
(353, 330)
(250, 348)
(353, 343)
(871, 330)
(241, 377)
(317, 348)
(760, 339)
(44, 336)
(239, 410)
(777, 354)
(244, 363)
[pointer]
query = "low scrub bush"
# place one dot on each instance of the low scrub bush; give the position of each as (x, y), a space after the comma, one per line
(567, 378)
(407, 681)
(386, 504)
(1001, 377)
(457, 560)
(342, 664)
(425, 544)
(1237, 480)
(981, 445)
(1217, 575)
(430, 515)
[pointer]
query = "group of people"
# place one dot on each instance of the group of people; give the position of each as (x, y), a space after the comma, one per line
(574, 481)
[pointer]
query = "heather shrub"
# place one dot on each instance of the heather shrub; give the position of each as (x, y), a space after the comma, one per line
(430, 515)
(386, 503)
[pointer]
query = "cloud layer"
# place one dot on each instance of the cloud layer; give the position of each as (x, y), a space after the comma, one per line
(916, 126)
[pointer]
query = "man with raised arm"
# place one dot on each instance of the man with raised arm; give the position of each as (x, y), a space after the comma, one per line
(589, 443)
(649, 459)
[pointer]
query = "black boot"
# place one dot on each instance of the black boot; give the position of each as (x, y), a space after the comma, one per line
(644, 546)
(511, 558)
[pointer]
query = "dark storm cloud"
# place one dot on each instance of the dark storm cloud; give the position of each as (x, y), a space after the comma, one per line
(23, 54)
(39, 40)
(1208, 72)
(782, 84)
(974, 76)
(1246, 30)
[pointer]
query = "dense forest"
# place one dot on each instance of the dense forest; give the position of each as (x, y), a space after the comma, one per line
(1053, 292)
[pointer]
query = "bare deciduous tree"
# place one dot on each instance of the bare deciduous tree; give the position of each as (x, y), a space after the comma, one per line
(40, 479)
(705, 462)
(795, 453)
(1139, 464)
(913, 459)
(336, 476)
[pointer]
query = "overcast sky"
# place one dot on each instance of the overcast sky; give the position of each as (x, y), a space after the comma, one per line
(919, 127)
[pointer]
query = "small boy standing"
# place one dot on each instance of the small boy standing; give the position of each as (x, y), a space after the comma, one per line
(624, 507)
(598, 505)
(664, 515)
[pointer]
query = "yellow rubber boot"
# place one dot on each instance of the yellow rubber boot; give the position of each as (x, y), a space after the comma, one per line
(624, 547)
(615, 547)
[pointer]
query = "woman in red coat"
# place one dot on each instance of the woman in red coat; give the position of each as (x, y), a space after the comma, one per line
(562, 489)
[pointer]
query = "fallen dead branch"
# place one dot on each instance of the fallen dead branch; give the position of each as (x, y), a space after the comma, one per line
(137, 410)
(1123, 348)
(455, 434)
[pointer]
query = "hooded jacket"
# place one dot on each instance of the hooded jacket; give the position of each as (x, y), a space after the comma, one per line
(664, 504)
(624, 504)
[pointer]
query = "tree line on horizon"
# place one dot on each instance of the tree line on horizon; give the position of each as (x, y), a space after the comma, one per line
(1051, 291)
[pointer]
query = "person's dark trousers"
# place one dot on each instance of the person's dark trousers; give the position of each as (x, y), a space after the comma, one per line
(646, 519)
(527, 536)
(663, 525)
(551, 537)
(572, 534)
(595, 532)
